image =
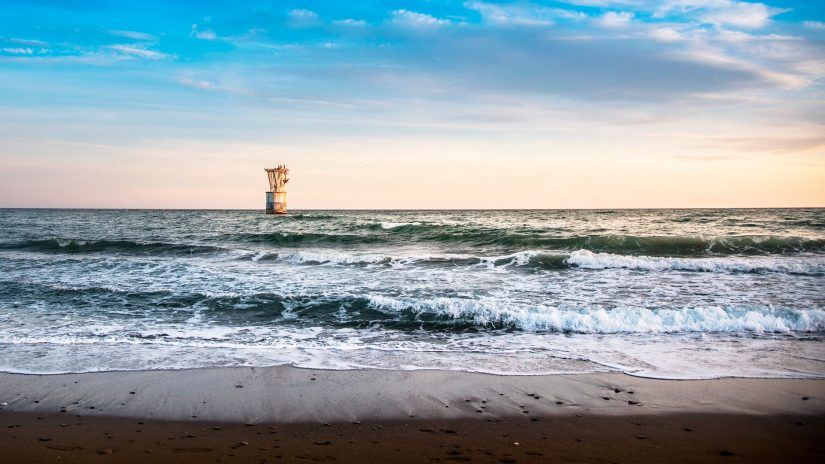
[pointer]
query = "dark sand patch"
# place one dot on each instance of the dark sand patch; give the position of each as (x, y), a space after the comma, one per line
(590, 438)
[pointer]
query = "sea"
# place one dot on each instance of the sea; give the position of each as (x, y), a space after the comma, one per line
(663, 293)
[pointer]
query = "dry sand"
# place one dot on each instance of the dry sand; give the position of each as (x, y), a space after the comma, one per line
(286, 414)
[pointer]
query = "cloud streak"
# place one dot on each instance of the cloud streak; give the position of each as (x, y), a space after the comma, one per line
(134, 51)
(133, 35)
(414, 19)
(521, 14)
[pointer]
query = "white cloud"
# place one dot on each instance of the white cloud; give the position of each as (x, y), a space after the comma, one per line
(19, 51)
(666, 34)
(199, 84)
(507, 14)
(138, 52)
(742, 37)
(28, 42)
(132, 35)
(606, 3)
(736, 13)
(787, 80)
(521, 14)
(303, 14)
(413, 19)
(813, 24)
(203, 34)
(741, 14)
(615, 19)
(207, 34)
(350, 22)
(303, 18)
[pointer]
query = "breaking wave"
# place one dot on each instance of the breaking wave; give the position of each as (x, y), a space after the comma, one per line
(639, 245)
(397, 233)
(434, 314)
(582, 259)
(609, 320)
(322, 257)
(811, 265)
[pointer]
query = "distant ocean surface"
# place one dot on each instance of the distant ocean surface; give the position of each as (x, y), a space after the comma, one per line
(658, 293)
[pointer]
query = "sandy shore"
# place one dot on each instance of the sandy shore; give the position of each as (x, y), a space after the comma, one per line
(285, 414)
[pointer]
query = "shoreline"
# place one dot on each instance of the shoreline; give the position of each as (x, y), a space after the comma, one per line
(290, 394)
(609, 370)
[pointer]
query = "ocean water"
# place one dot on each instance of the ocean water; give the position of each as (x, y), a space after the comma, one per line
(658, 293)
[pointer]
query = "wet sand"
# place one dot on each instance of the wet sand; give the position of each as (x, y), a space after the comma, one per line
(284, 414)
(588, 438)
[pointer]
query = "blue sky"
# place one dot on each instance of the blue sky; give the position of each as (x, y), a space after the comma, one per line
(589, 103)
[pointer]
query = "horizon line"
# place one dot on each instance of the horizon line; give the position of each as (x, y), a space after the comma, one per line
(414, 209)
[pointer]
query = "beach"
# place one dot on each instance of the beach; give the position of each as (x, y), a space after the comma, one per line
(288, 414)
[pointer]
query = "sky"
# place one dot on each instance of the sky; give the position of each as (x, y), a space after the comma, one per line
(413, 104)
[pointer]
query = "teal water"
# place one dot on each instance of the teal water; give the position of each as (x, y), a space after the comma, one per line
(664, 293)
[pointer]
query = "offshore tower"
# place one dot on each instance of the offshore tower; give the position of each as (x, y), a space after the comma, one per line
(276, 195)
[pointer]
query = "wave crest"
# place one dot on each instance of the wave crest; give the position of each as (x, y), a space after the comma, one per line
(435, 314)
(615, 320)
(411, 232)
(546, 260)
(588, 260)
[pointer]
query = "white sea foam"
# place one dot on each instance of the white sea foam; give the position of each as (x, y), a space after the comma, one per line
(333, 257)
(520, 258)
(685, 356)
(346, 258)
(616, 320)
(394, 225)
(324, 257)
(590, 260)
(584, 259)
